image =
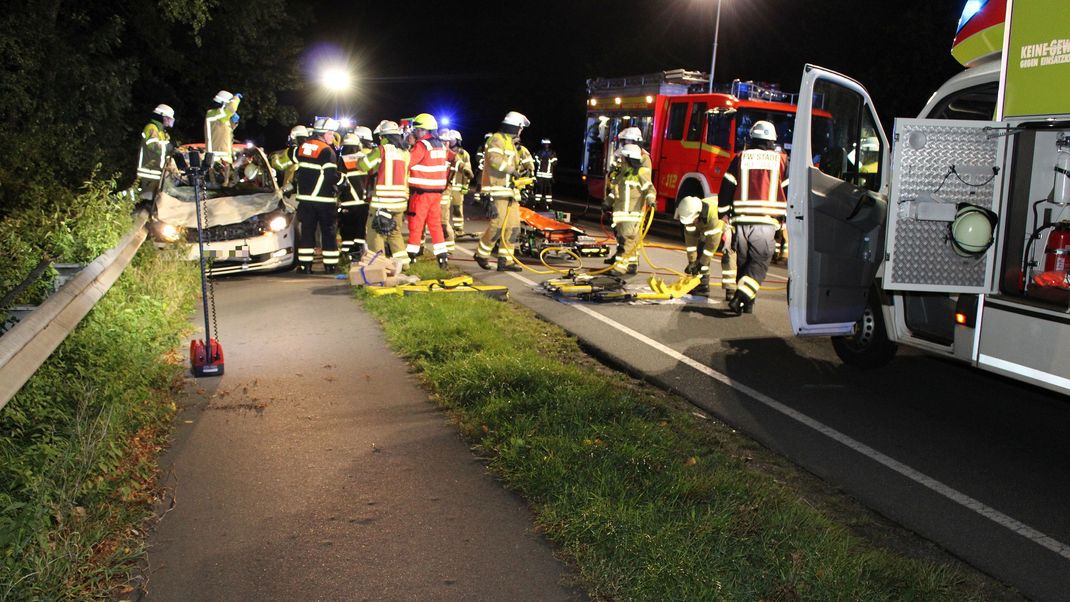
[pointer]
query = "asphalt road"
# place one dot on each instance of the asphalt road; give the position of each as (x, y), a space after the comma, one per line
(317, 468)
(974, 462)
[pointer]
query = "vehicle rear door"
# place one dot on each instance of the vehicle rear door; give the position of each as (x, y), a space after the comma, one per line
(836, 205)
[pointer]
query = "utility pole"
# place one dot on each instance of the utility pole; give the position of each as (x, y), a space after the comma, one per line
(716, 31)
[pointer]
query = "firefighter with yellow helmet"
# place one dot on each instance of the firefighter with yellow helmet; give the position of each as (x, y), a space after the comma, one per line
(753, 192)
(501, 163)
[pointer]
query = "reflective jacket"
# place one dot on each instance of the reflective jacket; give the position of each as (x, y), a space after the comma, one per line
(754, 188)
(357, 179)
(527, 162)
(500, 162)
(461, 170)
(628, 188)
(391, 167)
(545, 163)
(155, 145)
(317, 172)
(428, 165)
(703, 236)
(219, 129)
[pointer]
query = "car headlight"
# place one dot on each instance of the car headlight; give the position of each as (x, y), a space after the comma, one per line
(278, 223)
(168, 232)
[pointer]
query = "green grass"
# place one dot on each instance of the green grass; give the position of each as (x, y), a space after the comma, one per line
(647, 501)
(78, 443)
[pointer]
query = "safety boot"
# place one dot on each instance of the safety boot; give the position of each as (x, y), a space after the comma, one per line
(482, 262)
(703, 287)
(610, 260)
(330, 269)
(304, 269)
(633, 269)
(412, 258)
(738, 303)
(505, 266)
(443, 261)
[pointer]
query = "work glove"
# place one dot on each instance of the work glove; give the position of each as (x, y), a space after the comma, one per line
(692, 268)
(234, 118)
(238, 95)
(489, 207)
(383, 222)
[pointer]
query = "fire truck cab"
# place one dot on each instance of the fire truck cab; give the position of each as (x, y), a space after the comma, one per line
(955, 239)
(691, 134)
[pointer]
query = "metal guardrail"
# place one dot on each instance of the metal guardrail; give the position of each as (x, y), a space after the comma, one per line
(26, 346)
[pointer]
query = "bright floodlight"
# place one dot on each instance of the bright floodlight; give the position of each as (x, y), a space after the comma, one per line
(444, 120)
(336, 79)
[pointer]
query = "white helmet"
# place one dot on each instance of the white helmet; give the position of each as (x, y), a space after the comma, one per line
(632, 134)
(688, 209)
(251, 171)
(363, 133)
(387, 127)
(517, 119)
(298, 131)
(545, 141)
(972, 230)
(445, 135)
(164, 111)
(456, 135)
(325, 124)
(763, 130)
(351, 139)
(631, 151)
(223, 97)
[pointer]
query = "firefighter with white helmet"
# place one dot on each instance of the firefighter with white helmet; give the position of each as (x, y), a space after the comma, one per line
(428, 175)
(317, 194)
(545, 165)
(702, 235)
(461, 175)
(219, 124)
(629, 190)
(352, 195)
(284, 161)
(155, 148)
(501, 163)
(753, 192)
(389, 164)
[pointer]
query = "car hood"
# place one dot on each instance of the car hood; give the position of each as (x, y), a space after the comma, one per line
(175, 206)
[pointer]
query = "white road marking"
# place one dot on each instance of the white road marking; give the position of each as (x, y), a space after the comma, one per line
(918, 477)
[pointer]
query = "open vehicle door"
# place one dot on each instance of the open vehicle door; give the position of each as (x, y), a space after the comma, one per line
(836, 204)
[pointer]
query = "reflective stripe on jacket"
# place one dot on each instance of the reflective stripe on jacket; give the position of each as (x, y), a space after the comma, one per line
(317, 172)
(428, 165)
(391, 166)
(499, 157)
(628, 189)
(153, 153)
(754, 187)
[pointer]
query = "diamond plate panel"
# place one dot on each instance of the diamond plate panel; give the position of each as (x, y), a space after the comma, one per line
(921, 254)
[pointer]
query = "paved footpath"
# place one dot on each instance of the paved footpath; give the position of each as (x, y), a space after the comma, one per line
(318, 469)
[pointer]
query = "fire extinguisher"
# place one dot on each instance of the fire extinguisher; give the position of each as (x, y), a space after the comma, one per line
(1057, 251)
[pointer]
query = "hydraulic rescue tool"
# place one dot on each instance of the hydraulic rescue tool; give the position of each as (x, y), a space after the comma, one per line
(206, 356)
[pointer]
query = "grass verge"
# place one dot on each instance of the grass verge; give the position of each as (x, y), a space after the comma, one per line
(648, 501)
(78, 444)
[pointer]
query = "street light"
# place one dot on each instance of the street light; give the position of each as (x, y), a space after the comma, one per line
(336, 79)
(716, 31)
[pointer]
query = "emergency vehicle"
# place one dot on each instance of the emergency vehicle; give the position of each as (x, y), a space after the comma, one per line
(691, 134)
(956, 241)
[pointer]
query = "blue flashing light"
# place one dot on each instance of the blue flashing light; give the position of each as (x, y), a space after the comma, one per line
(444, 120)
(970, 11)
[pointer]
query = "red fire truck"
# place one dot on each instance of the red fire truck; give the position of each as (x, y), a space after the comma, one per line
(691, 134)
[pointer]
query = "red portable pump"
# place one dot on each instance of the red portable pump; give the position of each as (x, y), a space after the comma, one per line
(206, 356)
(1057, 251)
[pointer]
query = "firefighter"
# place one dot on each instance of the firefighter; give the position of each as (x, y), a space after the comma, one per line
(428, 173)
(545, 164)
(629, 190)
(753, 191)
(219, 124)
(317, 192)
(155, 148)
(630, 135)
(460, 176)
(389, 161)
(478, 177)
(284, 161)
(353, 206)
(702, 235)
(501, 162)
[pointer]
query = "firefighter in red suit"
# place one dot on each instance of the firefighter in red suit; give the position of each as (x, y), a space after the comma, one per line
(753, 191)
(317, 195)
(428, 171)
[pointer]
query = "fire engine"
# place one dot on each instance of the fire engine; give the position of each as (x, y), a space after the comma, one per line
(691, 134)
(954, 237)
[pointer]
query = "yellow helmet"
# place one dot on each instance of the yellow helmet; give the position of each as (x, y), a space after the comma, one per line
(425, 121)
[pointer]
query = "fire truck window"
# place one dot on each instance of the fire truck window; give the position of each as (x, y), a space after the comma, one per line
(677, 116)
(694, 128)
(719, 130)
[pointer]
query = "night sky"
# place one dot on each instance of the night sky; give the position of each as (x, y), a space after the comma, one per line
(475, 61)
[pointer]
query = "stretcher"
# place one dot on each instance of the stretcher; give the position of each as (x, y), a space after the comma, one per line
(540, 234)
